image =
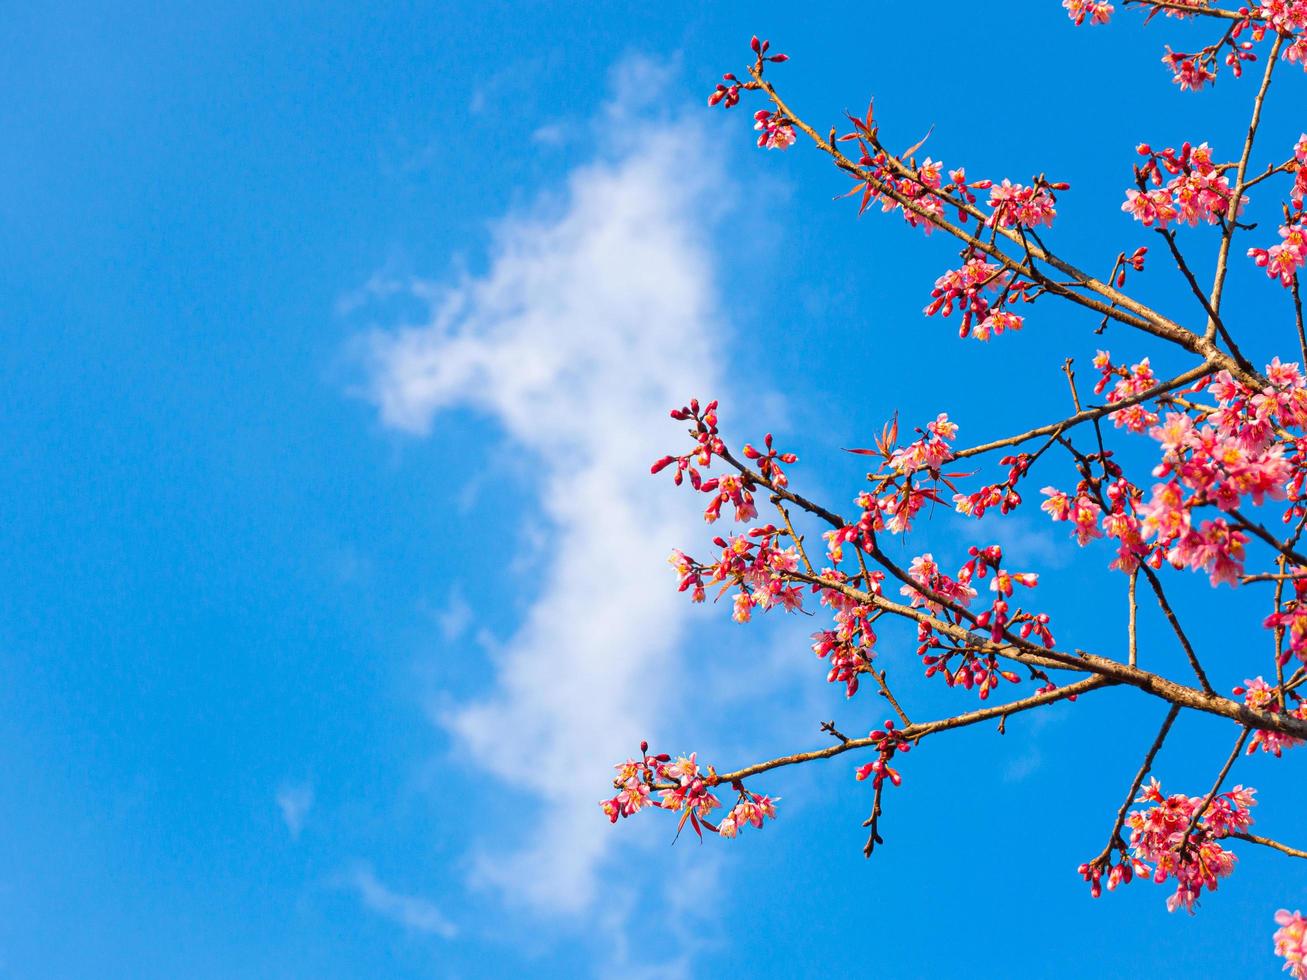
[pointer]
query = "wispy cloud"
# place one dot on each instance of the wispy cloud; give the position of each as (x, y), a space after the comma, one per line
(453, 618)
(413, 912)
(295, 801)
(590, 322)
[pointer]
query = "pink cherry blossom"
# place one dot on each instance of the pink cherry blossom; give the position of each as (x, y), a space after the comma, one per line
(1291, 942)
(1095, 11)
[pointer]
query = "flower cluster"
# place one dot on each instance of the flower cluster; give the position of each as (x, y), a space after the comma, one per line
(1261, 696)
(750, 810)
(931, 451)
(888, 741)
(1126, 383)
(933, 589)
(1080, 510)
(1285, 16)
(775, 132)
(1182, 844)
(921, 194)
(683, 788)
(851, 646)
(734, 490)
(965, 287)
(704, 433)
(1095, 11)
(1217, 455)
(769, 461)
(1292, 618)
(932, 585)
(727, 93)
(1197, 189)
(753, 563)
(1291, 942)
(1017, 205)
(1190, 72)
(1283, 260)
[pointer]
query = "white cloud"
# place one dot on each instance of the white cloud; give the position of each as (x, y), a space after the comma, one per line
(410, 911)
(454, 617)
(295, 801)
(590, 323)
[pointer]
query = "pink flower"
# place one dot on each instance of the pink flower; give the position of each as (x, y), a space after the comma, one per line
(1080, 10)
(751, 810)
(1261, 696)
(1283, 261)
(1157, 833)
(777, 132)
(1081, 510)
(1151, 207)
(996, 323)
(1284, 15)
(1188, 73)
(1291, 942)
(928, 576)
(931, 451)
(1016, 204)
(1215, 547)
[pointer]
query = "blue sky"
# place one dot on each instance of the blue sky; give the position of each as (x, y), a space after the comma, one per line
(339, 341)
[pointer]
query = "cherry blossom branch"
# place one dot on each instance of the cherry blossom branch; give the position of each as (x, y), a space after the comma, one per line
(1149, 683)
(1023, 651)
(1136, 314)
(1114, 304)
(914, 733)
(1095, 412)
(1218, 12)
(1267, 842)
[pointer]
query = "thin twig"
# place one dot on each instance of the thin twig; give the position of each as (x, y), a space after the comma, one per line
(1179, 631)
(1216, 788)
(1114, 837)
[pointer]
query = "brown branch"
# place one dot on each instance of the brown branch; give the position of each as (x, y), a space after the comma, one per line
(1114, 838)
(1268, 537)
(1297, 316)
(798, 541)
(1132, 636)
(873, 822)
(887, 694)
(1232, 209)
(1097, 411)
(1201, 11)
(914, 732)
(1267, 842)
(1179, 632)
(1216, 788)
(1115, 304)
(1150, 683)
(1183, 266)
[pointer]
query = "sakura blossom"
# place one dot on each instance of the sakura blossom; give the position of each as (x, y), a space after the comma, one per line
(1180, 456)
(1291, 942)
